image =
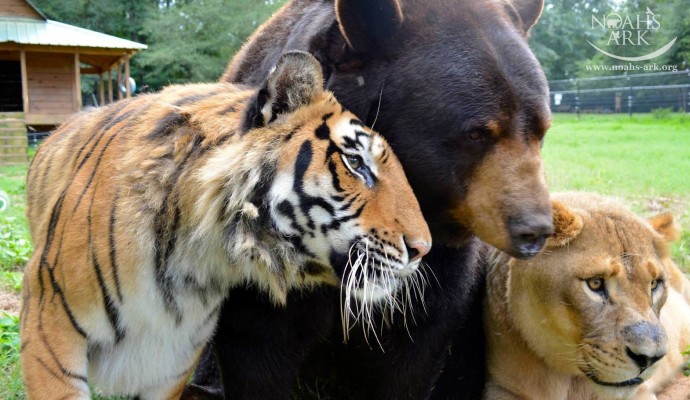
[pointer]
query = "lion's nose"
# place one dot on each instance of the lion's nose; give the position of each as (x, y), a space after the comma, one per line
(643, 361)
(646, 343)
(417, 249)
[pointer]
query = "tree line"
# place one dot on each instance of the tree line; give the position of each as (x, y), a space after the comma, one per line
(192, 40)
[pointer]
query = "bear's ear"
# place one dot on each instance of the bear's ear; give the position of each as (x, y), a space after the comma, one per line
(666, 225)
(567, 225)
(366, 24)
(294, 82)
(528, 10)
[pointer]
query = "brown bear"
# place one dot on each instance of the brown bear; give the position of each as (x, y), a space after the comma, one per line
(454, 88)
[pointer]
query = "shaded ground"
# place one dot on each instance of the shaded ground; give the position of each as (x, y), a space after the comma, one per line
(9, 302)
(679, 390)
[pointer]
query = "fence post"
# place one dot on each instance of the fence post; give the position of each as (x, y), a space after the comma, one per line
(630, 97)
(577, 98)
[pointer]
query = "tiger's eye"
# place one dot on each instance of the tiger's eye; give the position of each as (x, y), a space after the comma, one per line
(596, 284)
(354, 161)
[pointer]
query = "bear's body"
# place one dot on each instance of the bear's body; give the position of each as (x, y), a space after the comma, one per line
(454, 88)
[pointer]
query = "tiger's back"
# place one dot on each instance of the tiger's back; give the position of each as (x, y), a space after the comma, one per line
(145, 212)
(83, 171)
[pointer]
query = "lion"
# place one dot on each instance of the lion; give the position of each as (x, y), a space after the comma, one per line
(601, 313)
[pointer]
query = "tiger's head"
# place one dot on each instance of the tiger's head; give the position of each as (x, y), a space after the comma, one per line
(330, 188)
(589, 305)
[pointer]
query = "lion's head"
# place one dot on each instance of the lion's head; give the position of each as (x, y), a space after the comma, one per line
(589, 305)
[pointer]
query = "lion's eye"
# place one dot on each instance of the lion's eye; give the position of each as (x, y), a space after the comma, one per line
(355, 162)
(656, 284)
(596, 284)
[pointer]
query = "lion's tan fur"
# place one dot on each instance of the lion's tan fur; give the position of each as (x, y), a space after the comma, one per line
(538, 316)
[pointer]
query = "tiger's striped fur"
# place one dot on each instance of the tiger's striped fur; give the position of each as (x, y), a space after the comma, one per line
(144, 213)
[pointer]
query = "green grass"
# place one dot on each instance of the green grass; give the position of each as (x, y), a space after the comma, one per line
(619, 155)
(15, 248)
(644, 160)
(15, 242)
(10, 374)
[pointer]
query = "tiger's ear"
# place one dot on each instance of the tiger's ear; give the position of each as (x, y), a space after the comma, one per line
(567, 225)
(665, 225)
(294, 82)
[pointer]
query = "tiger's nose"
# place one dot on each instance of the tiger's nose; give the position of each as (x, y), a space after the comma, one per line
(417, 249)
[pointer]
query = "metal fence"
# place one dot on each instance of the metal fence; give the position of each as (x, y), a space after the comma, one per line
(634, 93)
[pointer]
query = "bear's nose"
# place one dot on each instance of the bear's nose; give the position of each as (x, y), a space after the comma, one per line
(416, 249)
(528, 236)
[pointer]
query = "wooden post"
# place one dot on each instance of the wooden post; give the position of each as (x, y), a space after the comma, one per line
(77, 83)
(110, 85)
(25, 83)
(127, 82)
(101, 91)
(117, 82)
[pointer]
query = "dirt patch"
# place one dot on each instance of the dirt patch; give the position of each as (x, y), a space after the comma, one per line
(9, 302)
(678, 390)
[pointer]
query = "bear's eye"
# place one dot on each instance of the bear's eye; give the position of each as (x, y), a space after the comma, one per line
(596, 284)
(475, 135)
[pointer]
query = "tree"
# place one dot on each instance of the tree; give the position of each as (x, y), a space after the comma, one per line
(188, 40)
(559, 39)
(192, 41)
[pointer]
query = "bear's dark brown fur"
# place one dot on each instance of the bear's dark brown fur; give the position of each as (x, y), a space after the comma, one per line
(455, 90)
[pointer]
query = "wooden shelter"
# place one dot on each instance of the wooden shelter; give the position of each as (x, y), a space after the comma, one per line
(41, 64)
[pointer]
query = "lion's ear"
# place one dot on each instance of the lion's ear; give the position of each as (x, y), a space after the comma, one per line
(566, 225)
(666, 225)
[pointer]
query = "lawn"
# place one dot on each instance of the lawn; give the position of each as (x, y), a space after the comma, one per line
(643, 160)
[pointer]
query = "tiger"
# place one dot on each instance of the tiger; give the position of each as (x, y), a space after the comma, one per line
(144, 213)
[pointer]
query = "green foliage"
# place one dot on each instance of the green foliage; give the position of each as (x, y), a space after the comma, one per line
(15, 246)
(681, 250)
(559, 40)
(188, 40)
(193, 41)
(10, 374)
(662, 113)
(686, 371)
(9, 339)
(11, 280)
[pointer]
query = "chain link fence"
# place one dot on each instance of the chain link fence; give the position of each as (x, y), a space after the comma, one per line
(634, 93)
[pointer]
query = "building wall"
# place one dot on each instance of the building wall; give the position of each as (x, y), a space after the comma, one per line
(17, 8)
(51, 83)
